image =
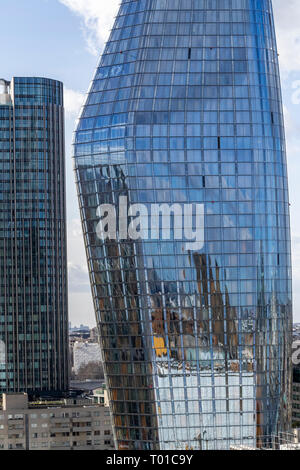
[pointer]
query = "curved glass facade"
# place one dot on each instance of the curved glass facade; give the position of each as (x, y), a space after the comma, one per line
(185, 108)
(33, 285)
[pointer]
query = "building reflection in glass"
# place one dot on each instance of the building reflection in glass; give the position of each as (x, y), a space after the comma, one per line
(185, 107)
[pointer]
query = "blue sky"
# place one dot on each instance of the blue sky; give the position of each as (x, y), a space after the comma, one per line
(63, 39)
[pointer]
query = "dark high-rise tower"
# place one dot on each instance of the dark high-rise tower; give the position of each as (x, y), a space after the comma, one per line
(185, 108)
(33, 285)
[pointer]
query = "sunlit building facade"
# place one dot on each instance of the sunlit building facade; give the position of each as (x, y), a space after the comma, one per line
(33, 277)
(185, 108)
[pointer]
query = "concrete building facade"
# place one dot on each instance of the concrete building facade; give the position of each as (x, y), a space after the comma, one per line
(84, 352)
(66, 425)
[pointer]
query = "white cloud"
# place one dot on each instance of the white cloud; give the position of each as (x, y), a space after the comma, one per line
(75, 229)
(80, 298)
(78, 278)
(77, 266)
(292, 130)
(97, 16)
(81, 309)
(73, 101)
(287, 16)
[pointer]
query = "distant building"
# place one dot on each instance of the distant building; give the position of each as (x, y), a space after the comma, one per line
(94, 335)
(79, 329)
(65, 425)
(79, 334)
(100, 395)
(76, 334)
(84, 353)
(296, 382)
(86, 387)
(296, 331)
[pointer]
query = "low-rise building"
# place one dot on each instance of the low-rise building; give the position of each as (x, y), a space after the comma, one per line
(296, 383)
(296, 397)
(69, 424)
(100, 395)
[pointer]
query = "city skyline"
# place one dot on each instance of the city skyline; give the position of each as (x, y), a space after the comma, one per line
(80, 29)
(149, 228)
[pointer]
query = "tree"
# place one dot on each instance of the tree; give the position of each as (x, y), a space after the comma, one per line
(91, 371)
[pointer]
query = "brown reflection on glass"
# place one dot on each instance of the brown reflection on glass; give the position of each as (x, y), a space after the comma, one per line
(126, 354)
(175, 329)
(273, 343)
(214, 308)
(231, 321)
(163, 328)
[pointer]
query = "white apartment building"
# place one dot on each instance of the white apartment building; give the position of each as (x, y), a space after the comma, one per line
(84, 352)
(65, 425)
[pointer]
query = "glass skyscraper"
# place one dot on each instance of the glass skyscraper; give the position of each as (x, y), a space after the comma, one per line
(33, 278)
(185, 109)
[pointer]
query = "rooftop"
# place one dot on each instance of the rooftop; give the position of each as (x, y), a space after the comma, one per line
(19, 401)
(5, 98)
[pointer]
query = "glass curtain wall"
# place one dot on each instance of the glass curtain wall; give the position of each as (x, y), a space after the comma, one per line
(185, 108)
(33, 278)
